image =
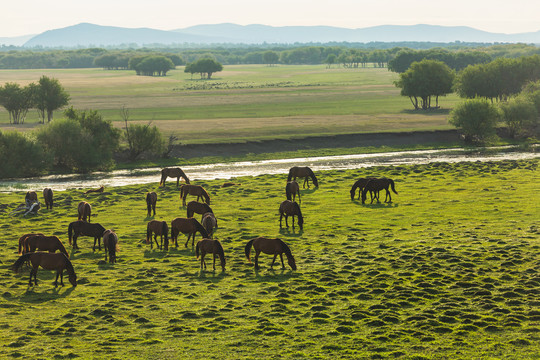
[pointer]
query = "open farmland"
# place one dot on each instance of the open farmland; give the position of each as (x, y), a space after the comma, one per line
(244, 102)
(448, 270)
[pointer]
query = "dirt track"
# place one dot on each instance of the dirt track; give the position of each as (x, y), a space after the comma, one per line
(318, 142)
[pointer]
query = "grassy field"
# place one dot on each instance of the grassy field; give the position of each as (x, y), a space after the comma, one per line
(448, 270)
(244, 102)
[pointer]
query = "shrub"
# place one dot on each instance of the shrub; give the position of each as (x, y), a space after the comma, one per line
(476, 118)
(21, 156)
(520, 115)
(142, 138)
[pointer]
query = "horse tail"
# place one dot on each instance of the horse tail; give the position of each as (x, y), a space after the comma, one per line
(313, 177)
(148, 233)
(165, 232)
(21, 244)
(392, 185)
(288, 191)
(70, 232)
(62, 247)
(290, 174)
(181, 191)
(148, 202)
(20, 261)
(247, 249)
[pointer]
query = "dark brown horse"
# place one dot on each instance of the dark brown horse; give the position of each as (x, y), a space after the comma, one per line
(291, 208)
(85, 211)
(302, 172)
(195, 190)
(99, 190)
(110, 245)
(377, 185)
(174, 173)
(158, 228)
(49, 261)
(271, 247)
(22, 241)
(43, 243)
(48, 196)
(208, 246)
(188, 226)
(195, 207)
(291, 190)
(30, 198)
(360, 184)
(209, 222)
(80, 227)
(151, 200)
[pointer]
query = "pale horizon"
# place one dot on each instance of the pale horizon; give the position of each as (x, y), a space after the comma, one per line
(27, 17)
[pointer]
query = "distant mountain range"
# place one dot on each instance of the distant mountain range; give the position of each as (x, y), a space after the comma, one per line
(87, 35)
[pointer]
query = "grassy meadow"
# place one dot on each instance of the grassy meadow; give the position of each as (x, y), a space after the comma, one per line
(448, 270)
(244, 102)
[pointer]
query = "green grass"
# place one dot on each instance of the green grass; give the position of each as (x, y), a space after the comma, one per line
(448, 270)
(244, 102)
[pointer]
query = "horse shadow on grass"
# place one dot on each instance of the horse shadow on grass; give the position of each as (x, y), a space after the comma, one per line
(290, 232)
(50, 294)
(376, 205)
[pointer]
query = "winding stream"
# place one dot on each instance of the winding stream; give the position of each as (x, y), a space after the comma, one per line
(254, 168)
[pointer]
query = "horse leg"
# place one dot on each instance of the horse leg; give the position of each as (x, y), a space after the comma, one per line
(286, 218)
(184, 199)
(202, 260)
(273, 261)
(282, 264)
(185, 245)
(280, 217)
(215, 255)
(154, 209)
(31, 273)
(292, 222)
(193, 240)
(177, 181)
(257, 252)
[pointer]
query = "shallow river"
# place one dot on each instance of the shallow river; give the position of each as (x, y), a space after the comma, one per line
(253, 168)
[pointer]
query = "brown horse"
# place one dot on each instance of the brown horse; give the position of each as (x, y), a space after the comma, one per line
(43, 243)
(291, 208)
(22, 241)
(100, 190)
(302, 172)
(377, 185)
(85, 210)
(151, 200)
(80, 227)
(271, 247)
(195, 207)
(360, 184)
(174, 173)
(158, 228)
(30, 198)
(208, 246)
(188, 226)
(49, 261)
(195, 190)
(110, 245)
(48, 196)
(291, 190)
(209, 222)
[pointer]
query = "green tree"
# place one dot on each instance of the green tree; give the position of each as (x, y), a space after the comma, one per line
(154, 65)
(270, 57)
(520, 115)
(17, 101)
(476, 118)
(205, 66)
(49, 96)
(21, 155)
(425, 79)
(330, 60)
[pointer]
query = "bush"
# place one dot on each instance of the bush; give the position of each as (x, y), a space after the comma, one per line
(21, 156)
(476, 118)
(520, 115)
(142, 138)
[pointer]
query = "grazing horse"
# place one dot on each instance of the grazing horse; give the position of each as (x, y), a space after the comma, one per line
(85, 210)
(49, 261)
(208, 246)
(30, 198)
(80, 227)
(302, 172)
(48, 196)
(360, 184)
(110, 245)
(209, 222)
(22, 241)
(151, 200)
(291, 190)
(377, 185)
(196, 190)
(43, 243)
(271, 247)
(100, 190)
(195, 207)
(174, 173)
(188, 226)
(158, 228)
(291, 208)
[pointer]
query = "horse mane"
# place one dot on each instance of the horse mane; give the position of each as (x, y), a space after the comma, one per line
(69, 266)
(313, 177)
(62, 247)
(297, 208)
(290, 174)
(100, 227)
(200, 228)
(205, 194)
(286, 248)
(247, 249)
(20, 261)
(221, 252)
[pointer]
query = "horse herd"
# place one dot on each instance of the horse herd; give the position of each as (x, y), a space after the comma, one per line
(49, 259)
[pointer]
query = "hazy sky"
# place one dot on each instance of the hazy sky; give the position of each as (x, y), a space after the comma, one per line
(23, 17)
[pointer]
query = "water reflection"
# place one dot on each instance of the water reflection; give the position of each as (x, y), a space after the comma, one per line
(254, 168)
